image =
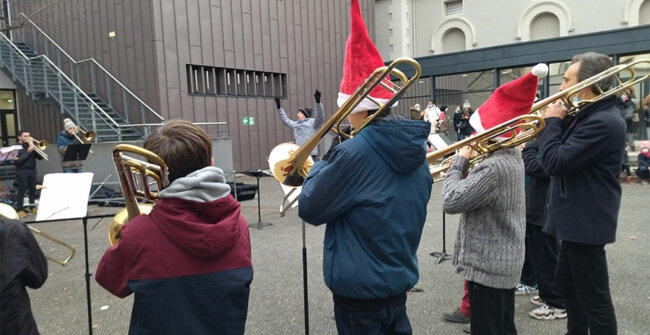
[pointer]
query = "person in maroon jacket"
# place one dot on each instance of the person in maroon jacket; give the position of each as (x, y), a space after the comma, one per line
(189, 261)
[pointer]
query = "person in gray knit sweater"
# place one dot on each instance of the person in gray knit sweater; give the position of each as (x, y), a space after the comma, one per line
(489, 247)
(306, 126)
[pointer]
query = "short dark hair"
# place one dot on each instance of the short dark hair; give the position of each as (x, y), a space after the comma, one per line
(591, 64)
(22, 131)
(183, 146)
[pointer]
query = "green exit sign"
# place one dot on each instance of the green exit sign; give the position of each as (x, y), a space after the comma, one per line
(248, 121)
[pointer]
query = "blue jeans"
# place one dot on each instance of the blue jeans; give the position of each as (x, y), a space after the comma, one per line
(390, 319)
(71, 170)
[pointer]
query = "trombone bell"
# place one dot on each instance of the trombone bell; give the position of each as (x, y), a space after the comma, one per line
(120, 219)
(286, 170)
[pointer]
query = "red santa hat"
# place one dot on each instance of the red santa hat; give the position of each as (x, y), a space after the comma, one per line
(509, 100)
(361, 59)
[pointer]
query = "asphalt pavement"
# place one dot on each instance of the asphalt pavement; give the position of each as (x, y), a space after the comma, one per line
(276, 298)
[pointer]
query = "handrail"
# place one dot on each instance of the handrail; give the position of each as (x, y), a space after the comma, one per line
(95, 62)
(92, 102)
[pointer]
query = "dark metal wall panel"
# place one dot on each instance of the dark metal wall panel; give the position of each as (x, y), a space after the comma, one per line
(43, 122)
(81, 28)
(305, 39)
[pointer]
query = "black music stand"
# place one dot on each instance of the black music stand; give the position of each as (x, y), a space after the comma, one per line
(258, 174)
(76, 152)
(7, 156)
(442, 255)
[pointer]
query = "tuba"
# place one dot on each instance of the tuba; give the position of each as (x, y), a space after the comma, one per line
(524, 128)
(291, 163)
(9, 212)
(136, 176)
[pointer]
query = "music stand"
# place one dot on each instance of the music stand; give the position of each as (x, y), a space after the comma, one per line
(8, 155)
(76, 152)
(442, 255)
(258, 174)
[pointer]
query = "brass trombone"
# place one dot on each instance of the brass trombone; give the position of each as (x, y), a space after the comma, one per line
(39, 147)
(9, 212)
(88, 137)
(291, 163)
(530, 124)
(134, 175)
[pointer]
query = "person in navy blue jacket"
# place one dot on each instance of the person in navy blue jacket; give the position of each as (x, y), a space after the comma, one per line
(583, 157)
(372, 193)
(189, 261)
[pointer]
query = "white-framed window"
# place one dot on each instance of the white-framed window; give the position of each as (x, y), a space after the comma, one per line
(453, 7)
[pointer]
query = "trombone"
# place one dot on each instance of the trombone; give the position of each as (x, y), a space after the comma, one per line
(526, 127)
(39, 147)
(88, 137)
(291, 163)
(9, 212)
(134, 175)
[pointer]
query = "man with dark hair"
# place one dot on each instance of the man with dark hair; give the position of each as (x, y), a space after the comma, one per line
(22, 263)
(372, 194)
(25, 171)
(582, 154)
(306, 126)
(189, 261)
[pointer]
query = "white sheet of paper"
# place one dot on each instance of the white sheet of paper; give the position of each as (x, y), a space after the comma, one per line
(11, 148)
(64, 196)
(437, 141)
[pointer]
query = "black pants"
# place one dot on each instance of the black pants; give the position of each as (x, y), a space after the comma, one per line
(527, 274)
(543, 260)
(493, 310)
(26, 180)
(583, 280)
(643, 174)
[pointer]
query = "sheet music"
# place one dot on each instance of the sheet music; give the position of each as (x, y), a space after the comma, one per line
(64, 196)
(5, 150)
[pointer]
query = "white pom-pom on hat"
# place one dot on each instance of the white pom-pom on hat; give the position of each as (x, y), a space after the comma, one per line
(540, 70)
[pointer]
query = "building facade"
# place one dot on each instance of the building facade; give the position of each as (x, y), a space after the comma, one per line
(467, 48)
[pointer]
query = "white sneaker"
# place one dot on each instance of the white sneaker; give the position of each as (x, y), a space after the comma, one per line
(536, 300)
(547, 312)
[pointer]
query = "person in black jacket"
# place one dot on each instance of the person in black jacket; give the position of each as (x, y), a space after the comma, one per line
(26, 170)
(541, 247)
(22, 264)
(583, 158)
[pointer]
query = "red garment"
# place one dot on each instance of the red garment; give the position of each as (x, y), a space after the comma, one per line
(464, 304)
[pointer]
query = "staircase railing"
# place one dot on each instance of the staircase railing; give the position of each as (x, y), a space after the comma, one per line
(40, 74)
(91, 76)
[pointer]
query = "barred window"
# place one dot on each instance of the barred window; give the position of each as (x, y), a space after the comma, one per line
(453, 7)
(215, 81)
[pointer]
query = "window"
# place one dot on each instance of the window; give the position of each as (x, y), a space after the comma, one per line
(207, 80)
(453, 7)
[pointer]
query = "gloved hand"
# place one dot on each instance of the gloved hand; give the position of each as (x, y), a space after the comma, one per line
(317, 96)
(277, 102)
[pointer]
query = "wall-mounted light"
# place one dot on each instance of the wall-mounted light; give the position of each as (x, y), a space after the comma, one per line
(111, 34)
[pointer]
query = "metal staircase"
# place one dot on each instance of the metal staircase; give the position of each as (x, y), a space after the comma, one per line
(81, 90)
